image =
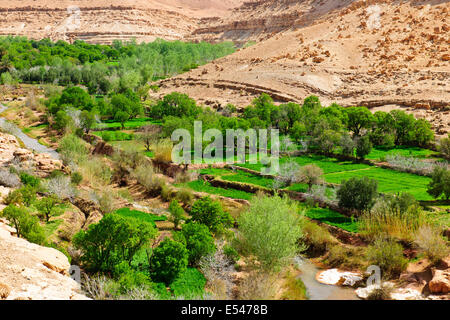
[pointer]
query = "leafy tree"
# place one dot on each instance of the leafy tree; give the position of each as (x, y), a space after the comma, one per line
(298, 131)
(270, 230)
(440, 183)
(210, 213)
(359, 118)
(444, 147)
(169, 259)
(122, 117)
(87, 120)
(347, 145)
(199, 241)
(311, 175)
(175, 104)
(423, 134)
(404, 127)
(148, 135)
(112, 240)
(176, 213)
(47, 206)
(26, 225)
(363, 146)
(358, 193)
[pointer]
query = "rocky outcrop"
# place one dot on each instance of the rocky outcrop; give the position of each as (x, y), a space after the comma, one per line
(440, 284)
(11, 153)
(32, 272)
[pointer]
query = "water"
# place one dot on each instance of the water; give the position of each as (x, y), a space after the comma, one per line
(320, 291)
(29, 143)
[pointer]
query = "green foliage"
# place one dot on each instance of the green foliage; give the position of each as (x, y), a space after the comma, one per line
(210, 213)
(76, 178)
(72, 148)
(359, 118)
(388, 255)
(231, 253)
(169, 260)
(189, 285)
(175, 104)
(176, 213)
(29, 180)
(47, 206)
(363, 147)
(440, 183)
(143, 216)
(358, 193)
(199, 241)
(27, 226)
(270, 230)
(112, 240)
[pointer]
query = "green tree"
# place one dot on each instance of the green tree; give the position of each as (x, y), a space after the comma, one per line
(363, 146)
(210, 213)
(199, 241)
(87, 120)
(175, 104)
(169, 259)
(26, 225)
(359, 118)
(112, 240)
(440, 183)
(270, 230)
(47, 206)
(358, 193)
(176, 213)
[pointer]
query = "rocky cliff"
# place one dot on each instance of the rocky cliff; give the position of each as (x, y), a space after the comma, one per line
(32, 272)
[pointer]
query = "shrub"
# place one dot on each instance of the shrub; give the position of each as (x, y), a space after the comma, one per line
(146, 177)
(444, 147)
(9, 179)
(72, 149)
(392, 216)
(311, 175)
(112, 240)
(363, 147)
(76, 178)
(382, 292)
(176, 213)
(189, 284)
(25, 195)
(440, 184)
(388, 255)
(26, 225)
(199, 241)
(231, 253)
(185, 195)
(270, 230)
(346, 257)
(210, 213)
(61, 187)
(316, 238)
(432, 243)
(29, 180)
(169, 259)
(163, 151)
(358, 193)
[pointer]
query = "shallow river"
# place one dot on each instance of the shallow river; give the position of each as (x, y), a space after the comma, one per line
(317, 290)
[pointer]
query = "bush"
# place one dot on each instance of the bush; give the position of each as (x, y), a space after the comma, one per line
(72, 149)
(61, 187)
(210, 213)
(346, 257)
(440, 184)
(388, 255)
(189, 284)
(310, 174)
(112, 240)
(176, 213)
(270, 230)
(9, 179)
(185, 195)
(363, 147)
(199, 241)
(231, 253)
(432, 243)
(27, 226)
(316, 238)
(169, 260)
(358, 193)
(163, 151)
(76, 178)
(29, 180)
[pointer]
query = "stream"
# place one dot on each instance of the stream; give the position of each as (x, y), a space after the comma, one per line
(317, 290)
(28, 142)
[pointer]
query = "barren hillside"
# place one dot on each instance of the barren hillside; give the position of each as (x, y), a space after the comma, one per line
(375, 54)
(103, 21)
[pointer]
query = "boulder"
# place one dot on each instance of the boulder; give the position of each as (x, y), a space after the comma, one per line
(32, 272)
(440, 284)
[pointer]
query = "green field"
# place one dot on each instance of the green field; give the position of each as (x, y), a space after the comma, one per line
(148, 217)
(239, 176)
(203, 186)
(332, 218)
(130, 124)
(416, 152)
